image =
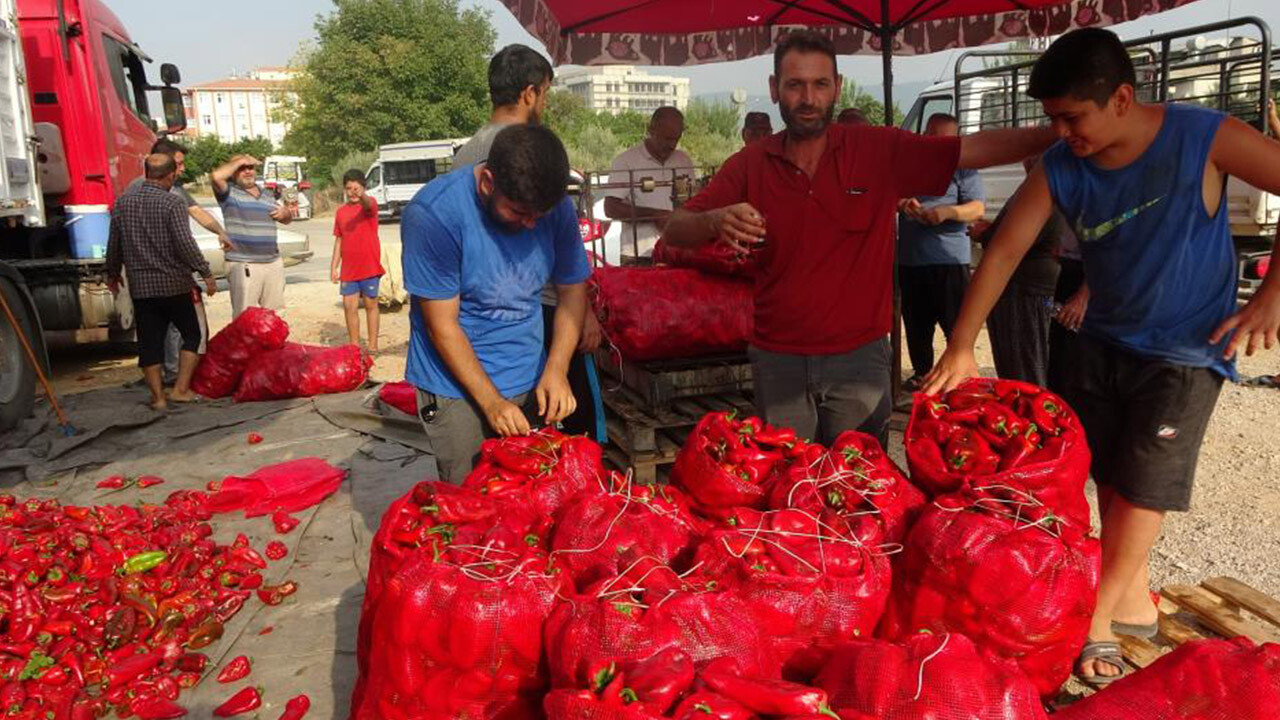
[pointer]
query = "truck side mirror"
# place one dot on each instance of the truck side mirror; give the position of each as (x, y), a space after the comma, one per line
(170, 75)
(175, 112)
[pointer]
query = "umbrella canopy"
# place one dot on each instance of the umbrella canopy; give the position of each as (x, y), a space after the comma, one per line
(692, 32)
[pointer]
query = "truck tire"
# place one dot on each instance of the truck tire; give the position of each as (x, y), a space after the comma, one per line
(17, 376)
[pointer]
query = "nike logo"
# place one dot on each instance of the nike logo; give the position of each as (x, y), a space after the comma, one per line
(1102, 230)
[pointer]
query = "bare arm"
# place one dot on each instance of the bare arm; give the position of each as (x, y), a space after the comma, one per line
(964, 212)
(990, 148)
(740, 226)
(221, 175)
(1240, 150)
(1027, 212)
(366, 202)
(455, 349)
(619, 209)
(337, 259)
(205, 220)
(282, 214)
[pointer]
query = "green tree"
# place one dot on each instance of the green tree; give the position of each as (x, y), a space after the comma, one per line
(385, 71)
(208, 152)
(853, 96)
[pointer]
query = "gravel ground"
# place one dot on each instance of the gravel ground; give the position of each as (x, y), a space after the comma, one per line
(1233, 527)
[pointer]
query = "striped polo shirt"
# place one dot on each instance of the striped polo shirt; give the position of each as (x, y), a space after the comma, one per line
(248, 222)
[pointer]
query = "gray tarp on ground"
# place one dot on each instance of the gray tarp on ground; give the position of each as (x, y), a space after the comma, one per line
(311, 647)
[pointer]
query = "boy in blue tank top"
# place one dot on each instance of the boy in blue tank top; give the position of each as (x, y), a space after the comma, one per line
(1144, 187)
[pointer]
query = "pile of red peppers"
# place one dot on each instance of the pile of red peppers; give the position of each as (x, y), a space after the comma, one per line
(728, 461)
(108, 607)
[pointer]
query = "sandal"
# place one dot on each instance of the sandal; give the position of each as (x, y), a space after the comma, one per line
(1139, 631)
(1103, 651)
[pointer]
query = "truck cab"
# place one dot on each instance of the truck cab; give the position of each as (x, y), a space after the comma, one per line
(79, 121)
(283, 173)
(403, 168)
(988, 90)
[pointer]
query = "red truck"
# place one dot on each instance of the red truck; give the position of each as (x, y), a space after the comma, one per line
(75, 124)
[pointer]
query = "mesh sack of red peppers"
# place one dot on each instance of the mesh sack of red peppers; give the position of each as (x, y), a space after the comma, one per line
(230, 351)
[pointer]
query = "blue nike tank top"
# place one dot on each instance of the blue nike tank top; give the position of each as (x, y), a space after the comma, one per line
(1161, 271)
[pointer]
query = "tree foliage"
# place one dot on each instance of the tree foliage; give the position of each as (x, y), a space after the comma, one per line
(384, 71)
(852, 95)
(208, 152)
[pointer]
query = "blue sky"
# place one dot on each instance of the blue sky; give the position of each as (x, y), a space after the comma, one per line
(208, 40)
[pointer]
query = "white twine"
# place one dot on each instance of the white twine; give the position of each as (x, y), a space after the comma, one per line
(920, 677)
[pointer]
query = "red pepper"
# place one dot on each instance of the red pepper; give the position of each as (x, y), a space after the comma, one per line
(296, 708)
(1046, 411)
(235, 670)
(192, 662)
(777, 437)
(248, 555)
(246, 700)
(524, 462)
(157, 709)
(274, 595)
(146, 481)
(969, 454)
(254, 438)
(132, 667)
(276, 550)
(1020, 449)
(115, 482)
(284, 522)
(188, 680)
(765, 696)
(710, 706)
(660, 680)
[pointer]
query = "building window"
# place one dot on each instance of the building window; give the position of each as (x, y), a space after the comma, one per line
(206, 120)
(218, 98)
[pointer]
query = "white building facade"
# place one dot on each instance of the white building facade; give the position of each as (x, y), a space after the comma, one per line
(240, 108)
(618, 88)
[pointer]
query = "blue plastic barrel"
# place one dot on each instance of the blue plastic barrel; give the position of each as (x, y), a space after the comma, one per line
(88, 226)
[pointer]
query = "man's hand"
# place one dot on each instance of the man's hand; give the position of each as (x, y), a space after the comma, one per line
(1256, 325)
(1072, 313)
(555, 398)
(910, 206)
(210, 286)
(739, 226)
(225, 241)
(506, 418)
(592, 333)
(935, 215)
(281, 213)
(954, 367)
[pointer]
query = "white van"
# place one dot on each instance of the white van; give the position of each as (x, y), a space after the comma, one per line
(282, 172)
(403, 168)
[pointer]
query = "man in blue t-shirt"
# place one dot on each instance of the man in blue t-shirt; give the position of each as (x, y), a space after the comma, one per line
(1144, 187)
(479, 245)
(934, 256)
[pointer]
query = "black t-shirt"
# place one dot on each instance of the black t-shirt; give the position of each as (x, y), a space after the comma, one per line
(1037, 274)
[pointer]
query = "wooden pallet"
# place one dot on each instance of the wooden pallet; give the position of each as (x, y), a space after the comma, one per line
(1218, 607)
(645, 438)
(659, 382)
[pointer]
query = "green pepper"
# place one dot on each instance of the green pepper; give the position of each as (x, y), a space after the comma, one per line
(144, 561)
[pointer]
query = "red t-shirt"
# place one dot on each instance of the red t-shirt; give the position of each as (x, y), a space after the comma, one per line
(825, 283)
(361, 251)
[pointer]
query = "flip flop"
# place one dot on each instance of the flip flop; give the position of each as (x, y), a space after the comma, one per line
(1132, 630)
(1107, 652)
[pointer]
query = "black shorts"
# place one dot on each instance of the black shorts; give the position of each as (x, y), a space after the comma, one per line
(152, 317)
(1145, 420)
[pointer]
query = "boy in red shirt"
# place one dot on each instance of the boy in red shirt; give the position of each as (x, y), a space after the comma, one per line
(358, 253)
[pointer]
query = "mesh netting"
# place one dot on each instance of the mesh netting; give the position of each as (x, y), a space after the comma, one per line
(714, 258)
(256, 330)
(583, 705)
(297, 370)
(1201, 680)
(1055, 475)
(999, 568)
(599, 536)
(724, 464)
(652, 313)
(549, 466)
(400, 395)
(928, 677)
(465, 641)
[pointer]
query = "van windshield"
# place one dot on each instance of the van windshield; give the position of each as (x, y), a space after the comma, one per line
(414, 172)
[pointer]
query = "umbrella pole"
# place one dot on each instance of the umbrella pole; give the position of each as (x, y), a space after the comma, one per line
(895, 336)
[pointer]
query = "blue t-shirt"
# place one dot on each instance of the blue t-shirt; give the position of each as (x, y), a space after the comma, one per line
(947, 243)
(453, 249)
(1161, 271)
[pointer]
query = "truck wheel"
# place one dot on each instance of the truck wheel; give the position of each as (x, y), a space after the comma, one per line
(17, 377)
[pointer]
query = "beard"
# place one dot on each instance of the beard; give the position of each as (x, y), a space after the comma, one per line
(804, 129)
(491, 209)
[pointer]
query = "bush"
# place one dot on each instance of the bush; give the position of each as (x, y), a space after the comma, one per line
(209, 151)
(356, 159)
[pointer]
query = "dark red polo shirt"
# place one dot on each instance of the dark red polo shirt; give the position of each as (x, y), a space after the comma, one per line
(825, 284)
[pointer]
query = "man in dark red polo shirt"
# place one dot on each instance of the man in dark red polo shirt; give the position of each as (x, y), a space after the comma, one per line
(818, 203)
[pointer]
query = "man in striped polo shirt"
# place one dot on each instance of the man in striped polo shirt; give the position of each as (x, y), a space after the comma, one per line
(255, 271)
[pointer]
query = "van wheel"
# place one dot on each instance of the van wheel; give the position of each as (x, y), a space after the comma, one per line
(17, 377)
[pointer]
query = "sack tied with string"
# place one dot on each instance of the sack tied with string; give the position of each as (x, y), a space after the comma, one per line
(809, 582)
(1001, 432)
(654, 313)
(298, 370)
(460, 637)
(255, 331)
(646, 610)
(598, 537)
(999, 567)
(1209, 679)
(547, 466)
(713, 258)
(856, 479)
(729, 461)
(926, 677)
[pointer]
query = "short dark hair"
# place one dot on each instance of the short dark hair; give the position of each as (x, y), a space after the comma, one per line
(941, 117)
(165, 146)
(852, 116)
(756, 116)
(160, 165)
(805, 41)
(354, 175)
(513, 69)
(529, 166)
(1085, 64)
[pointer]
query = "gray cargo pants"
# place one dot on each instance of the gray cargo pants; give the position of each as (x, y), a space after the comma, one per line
(821, 396)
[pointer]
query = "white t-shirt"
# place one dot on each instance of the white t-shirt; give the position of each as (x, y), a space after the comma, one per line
(642, 165)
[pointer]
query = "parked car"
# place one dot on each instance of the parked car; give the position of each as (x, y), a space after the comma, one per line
(295, 247)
